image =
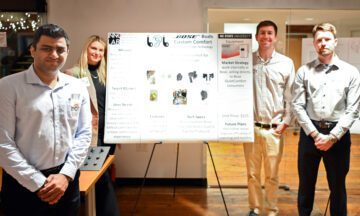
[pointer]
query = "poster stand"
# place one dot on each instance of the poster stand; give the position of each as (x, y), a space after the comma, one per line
(176, 169)
(217, 178)
(144, 178)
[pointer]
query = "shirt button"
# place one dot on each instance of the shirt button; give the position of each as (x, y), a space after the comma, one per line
(323, 107)
(324, 95)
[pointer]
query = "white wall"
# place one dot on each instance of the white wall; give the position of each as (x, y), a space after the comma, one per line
(81, 18)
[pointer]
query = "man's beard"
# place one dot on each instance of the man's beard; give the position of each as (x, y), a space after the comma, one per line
(326, 52)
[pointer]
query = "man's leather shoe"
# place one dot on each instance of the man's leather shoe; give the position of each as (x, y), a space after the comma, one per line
(252, 213)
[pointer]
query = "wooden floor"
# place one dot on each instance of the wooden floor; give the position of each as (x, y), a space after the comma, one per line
(194, 201)
(230, 165)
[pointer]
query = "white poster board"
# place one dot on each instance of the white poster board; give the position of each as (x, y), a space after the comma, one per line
(243, 27)
(179, 87)
(348, 49)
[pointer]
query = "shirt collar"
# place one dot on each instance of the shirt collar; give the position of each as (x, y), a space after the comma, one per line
(262, 60)
(32, 78)
(335, 63)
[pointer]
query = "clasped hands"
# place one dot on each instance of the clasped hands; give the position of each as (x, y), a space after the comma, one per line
(54, 188)
(323, 142)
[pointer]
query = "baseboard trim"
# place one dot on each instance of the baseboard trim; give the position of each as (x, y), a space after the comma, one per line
(199, 182)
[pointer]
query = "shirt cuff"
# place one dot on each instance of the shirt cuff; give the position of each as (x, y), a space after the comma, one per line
(38, 180)
(287, 120)
(68, 170)
(308, 128)
(338, 131)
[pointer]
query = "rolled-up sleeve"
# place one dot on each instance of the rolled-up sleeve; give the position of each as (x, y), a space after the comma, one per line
(288, 95)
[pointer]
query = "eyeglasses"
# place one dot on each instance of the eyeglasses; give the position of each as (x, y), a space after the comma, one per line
(49, 50)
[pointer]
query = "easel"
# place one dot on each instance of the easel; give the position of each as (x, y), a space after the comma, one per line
(177, 161)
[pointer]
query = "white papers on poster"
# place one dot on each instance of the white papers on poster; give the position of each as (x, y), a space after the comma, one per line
(177, 87)
(348, 49)
(3, 42)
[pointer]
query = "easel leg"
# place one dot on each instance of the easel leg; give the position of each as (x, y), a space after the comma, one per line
(327, 206)
(176, 169)
(217, 178)
(143, 182)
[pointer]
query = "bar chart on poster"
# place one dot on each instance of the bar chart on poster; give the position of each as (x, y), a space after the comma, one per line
(179, 87)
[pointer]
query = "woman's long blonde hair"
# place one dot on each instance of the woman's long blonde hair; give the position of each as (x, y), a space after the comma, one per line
(83, 61)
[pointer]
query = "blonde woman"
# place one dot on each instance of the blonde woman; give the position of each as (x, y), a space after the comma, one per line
(92, 70)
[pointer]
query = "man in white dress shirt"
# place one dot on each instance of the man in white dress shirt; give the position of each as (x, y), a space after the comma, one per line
(273, 78)
(45, 131)
(326, 103)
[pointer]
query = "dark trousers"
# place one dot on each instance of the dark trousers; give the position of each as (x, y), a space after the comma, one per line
(336, 161)
(19, 201)
(105, 196)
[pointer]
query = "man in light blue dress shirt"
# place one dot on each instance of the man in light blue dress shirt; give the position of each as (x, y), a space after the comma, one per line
(45, 131)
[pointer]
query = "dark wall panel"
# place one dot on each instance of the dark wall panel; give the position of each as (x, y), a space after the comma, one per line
(23, 6)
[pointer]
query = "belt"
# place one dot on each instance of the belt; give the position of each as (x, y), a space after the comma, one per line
(45, 172)
(265, 126)
(52, 170)
(324, 124)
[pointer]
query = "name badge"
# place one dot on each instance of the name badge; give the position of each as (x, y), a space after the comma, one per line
(75, 104)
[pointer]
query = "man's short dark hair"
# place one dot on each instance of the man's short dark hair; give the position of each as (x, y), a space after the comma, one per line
(266, 23)
(50, 30)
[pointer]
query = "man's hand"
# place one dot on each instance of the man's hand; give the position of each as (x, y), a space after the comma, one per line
(281, 128)
(54, 188)
(324, 142)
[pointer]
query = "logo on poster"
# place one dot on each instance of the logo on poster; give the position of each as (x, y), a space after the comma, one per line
(156, 41)
(114, 39)
(186, 36)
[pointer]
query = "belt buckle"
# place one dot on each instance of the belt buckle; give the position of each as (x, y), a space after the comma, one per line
(266, 126)
(324, 124)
